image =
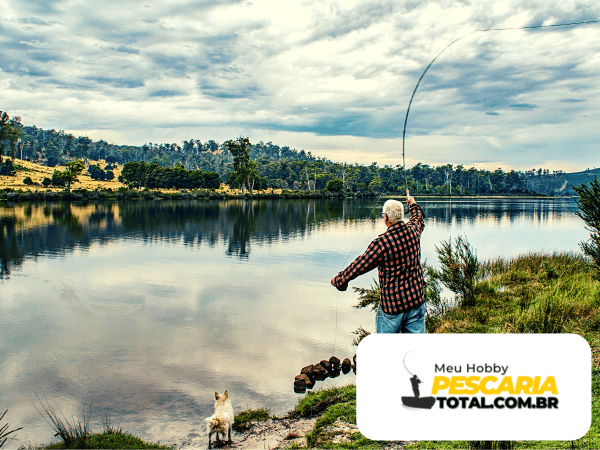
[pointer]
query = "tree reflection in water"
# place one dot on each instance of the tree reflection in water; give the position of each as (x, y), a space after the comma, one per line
(30, 230)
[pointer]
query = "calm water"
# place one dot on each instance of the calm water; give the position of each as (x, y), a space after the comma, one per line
(149, 307)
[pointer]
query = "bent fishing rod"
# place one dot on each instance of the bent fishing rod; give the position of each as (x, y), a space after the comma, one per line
(412, 98)
(443, 50)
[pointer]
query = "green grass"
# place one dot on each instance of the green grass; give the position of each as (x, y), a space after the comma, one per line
(77, 434)
(535, 293)
(531, 294)
(111, 439)
(330, 405)
(314, 403)
(243, 419)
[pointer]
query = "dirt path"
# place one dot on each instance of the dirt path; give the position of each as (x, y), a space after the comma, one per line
(261, 435)
(281, 433)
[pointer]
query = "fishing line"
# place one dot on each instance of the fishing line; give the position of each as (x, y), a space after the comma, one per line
(406, 122)
(422, 351)
(352, 248)
(450, 44)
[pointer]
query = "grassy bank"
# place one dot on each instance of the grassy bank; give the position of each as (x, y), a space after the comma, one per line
(530, 294)
(537, 293)
(109, 439)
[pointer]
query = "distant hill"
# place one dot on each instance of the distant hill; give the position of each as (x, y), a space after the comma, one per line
(560, 184)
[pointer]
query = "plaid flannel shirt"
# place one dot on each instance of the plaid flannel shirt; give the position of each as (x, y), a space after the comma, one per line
(397, 254)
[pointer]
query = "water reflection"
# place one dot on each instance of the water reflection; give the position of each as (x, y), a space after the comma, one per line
(55, 228)
(31, 230)
(496, 210)
(150, 307)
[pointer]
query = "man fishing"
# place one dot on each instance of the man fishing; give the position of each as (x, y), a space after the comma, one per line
(397, 254)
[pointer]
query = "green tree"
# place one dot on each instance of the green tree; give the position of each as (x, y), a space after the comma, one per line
(96, 173)
(7, 168)
(589, 210)
(129, 174)
(335, 185)
(58, 179)
(243, 167)
(4, 118)
(69, 176)
(376, 185)
(10, 130)
(14, 134)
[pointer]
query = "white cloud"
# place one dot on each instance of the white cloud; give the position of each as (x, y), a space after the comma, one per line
(309, 71)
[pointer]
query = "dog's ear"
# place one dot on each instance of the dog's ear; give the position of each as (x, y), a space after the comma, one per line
(225, 395)
(217, 396)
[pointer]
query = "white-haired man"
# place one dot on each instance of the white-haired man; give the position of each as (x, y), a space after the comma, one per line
(397, 254)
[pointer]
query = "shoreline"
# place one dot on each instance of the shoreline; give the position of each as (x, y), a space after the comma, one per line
(13, 189)
(9, 195)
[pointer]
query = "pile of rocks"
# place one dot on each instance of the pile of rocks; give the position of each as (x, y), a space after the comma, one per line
(318, 372)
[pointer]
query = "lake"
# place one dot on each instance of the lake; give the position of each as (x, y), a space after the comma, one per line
(146, 308)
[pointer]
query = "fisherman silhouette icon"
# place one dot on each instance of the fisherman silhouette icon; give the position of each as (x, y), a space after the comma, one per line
(417, 401)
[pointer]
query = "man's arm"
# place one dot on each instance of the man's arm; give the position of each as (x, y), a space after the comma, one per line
(416, 215)
(363, 264)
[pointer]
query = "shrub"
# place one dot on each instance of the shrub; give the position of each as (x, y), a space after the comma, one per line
(589, 210)
(459, 268)
(28, 181)
(368, 296)
(436, 305)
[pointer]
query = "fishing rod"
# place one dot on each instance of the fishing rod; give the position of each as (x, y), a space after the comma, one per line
(443, 50)
(408, 112)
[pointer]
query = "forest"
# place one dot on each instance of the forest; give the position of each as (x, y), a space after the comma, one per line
(241, 164)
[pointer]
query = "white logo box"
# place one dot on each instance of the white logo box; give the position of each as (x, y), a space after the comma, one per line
(547, 395)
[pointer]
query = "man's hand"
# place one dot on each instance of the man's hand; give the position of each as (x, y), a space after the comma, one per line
(410, 200)
(342, 288)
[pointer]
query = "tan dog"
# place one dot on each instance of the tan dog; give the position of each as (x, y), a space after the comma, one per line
(222, 419)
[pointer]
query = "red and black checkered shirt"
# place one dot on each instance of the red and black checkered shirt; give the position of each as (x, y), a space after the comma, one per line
(397, 254)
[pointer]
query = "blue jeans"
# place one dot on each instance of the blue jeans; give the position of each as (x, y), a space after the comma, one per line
(412, 321)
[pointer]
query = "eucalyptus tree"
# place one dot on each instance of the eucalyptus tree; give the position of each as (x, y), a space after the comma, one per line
(10, 130)
(4, 126)
(73, 169)
(243, 167)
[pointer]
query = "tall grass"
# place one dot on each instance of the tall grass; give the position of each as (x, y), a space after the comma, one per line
(73, 433)
(534, 293)
(4, 431)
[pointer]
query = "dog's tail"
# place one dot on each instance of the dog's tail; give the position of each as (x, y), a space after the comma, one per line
(214, 422)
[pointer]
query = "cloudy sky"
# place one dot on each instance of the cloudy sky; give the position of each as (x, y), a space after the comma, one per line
(332, 77)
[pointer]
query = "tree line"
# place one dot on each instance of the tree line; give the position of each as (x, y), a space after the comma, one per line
(153, 176)
(247, 166)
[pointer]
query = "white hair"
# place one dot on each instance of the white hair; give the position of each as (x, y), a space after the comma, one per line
(394, 210)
